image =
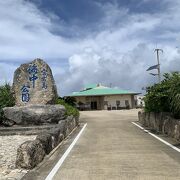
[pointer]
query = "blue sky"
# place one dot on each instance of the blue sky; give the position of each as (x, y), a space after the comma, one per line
(90, 41)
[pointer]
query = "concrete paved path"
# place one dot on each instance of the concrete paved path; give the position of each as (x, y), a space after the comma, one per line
(112, 148)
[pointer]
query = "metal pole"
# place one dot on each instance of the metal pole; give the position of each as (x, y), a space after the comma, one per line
(159, 72)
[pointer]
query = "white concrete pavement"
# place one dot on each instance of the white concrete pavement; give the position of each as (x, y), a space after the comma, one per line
(112, 148)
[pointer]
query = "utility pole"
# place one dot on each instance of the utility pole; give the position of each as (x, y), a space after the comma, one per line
(158, 68)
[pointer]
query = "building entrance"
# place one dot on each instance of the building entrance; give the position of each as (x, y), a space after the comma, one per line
(94, 105)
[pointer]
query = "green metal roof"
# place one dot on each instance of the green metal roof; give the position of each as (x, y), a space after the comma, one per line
(98, 91)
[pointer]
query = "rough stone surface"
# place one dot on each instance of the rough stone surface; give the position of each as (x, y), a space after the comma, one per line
(161, 123)
(8, 123)
(35, 114)
(34, 84)
(77, 120)
(8, 152)
(29, 154)
(63, 127)
(27, 130)
(46, 141)
(55, 137)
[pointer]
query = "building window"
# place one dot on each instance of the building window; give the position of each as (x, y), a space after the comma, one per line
(118, 103)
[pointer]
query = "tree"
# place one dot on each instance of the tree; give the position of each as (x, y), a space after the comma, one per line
(165, 96)
(6, 99)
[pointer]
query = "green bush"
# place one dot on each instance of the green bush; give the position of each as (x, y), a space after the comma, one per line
(165, 96)
(70, 110)
(70, 100)
(174, 93)
(157, 100)
(6, 99)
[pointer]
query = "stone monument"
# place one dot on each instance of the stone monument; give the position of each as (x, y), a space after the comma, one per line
(34, 84)
(35, 95)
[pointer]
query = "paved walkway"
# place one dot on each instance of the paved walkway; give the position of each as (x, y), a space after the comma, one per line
(112, 148)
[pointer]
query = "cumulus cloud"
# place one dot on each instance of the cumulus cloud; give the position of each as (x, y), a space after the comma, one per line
(117, 51)
(124, 49)
(26, 33)
(108, 67)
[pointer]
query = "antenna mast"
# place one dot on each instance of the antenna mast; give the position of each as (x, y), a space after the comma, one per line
(158, 68)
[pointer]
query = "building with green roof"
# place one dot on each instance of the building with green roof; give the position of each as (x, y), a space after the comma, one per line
(98, 97)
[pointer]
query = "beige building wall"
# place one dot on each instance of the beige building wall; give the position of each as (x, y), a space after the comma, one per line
(122, 98)
(81, 99)
(88, 99)
(111, 99)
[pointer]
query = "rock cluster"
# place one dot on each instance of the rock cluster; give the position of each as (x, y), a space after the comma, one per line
(161, 123)
(31, 153)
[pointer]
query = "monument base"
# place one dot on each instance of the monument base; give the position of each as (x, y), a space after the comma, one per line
(35, 114)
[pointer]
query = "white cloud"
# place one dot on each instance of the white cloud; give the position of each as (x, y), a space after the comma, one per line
(123, 50)
(6, 72)
(26, 33)
(118, 52)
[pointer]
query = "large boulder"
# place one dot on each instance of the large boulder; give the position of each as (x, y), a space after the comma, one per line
(35, 114)
(29, 154)
(34, 84)
(46, 141)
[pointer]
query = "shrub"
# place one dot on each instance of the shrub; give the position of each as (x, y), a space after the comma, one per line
(165, 96)
(6, 99)
(70, 100)
(156, 100)
(70, 110)
(174, 93)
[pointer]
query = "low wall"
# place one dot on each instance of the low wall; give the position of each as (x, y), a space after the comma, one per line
(161, 123)
(31, 153)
